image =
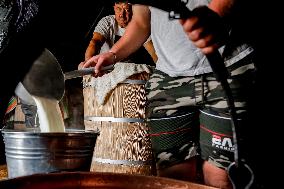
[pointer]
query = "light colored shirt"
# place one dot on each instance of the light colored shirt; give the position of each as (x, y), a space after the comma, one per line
(177, 55)
(109, 28)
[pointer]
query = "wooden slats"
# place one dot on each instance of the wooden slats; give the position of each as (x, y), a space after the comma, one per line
(120, 141)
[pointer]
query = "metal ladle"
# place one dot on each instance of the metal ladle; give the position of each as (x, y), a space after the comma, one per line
(45, 78)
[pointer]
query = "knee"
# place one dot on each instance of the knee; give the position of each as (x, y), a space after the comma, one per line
(186, 171)
(214, 176)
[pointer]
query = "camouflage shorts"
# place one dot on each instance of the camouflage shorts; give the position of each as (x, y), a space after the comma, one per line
(188, 116)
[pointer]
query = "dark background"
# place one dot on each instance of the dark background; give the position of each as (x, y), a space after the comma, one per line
(62, 26)
(65, 28)
(73, 31)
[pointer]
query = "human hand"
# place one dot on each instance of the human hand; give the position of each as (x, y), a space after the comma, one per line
(80, 66)
(205, 29)
(98, 61)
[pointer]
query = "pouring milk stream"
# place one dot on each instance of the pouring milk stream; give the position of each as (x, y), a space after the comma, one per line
(44, 84)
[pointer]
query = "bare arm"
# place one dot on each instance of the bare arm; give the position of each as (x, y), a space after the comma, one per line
(151, 50)
(136, 33)
(94, 46)
(206, 28)
(222, 7)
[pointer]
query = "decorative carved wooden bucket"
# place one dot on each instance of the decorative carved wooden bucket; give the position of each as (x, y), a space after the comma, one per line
(123, 145)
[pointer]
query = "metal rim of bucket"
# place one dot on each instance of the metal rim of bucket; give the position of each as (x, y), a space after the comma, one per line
(68, 132)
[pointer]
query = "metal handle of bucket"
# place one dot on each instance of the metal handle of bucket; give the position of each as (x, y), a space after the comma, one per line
(5, 127)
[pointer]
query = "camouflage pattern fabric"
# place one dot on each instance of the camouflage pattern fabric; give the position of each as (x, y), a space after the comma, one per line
(174, 138)
(174, 117)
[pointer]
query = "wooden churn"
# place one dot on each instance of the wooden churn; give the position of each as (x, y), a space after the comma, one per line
(123, 145)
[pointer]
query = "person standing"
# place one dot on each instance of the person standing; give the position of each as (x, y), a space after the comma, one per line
(187, 110)
(109, 30)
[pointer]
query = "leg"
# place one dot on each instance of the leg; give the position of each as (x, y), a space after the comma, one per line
(181, 171)
(216, 135)
(214, 176)
(174, 143)
(217, 149)
(174, 126)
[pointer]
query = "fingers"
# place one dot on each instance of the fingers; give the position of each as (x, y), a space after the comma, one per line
(205, 29)
(80, 66)
(90, 62)
(189, 24)
(209, 49)
(98, 66)
(195, 31)
(200, 37)
(98, 61)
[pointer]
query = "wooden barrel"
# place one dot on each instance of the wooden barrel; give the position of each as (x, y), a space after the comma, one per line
(123, 145)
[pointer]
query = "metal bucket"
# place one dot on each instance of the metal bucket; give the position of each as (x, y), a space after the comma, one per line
(34, 152)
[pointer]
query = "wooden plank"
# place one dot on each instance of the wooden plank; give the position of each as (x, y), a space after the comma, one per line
(120, 141)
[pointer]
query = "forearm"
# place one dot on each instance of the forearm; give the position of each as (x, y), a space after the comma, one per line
(151, 50)
(90, 51)
(226, 9)
(94, 45)
(221, 7)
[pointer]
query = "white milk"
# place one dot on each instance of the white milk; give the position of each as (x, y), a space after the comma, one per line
(50, 119)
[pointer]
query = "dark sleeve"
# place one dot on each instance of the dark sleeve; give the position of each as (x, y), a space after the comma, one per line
(20, 47)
